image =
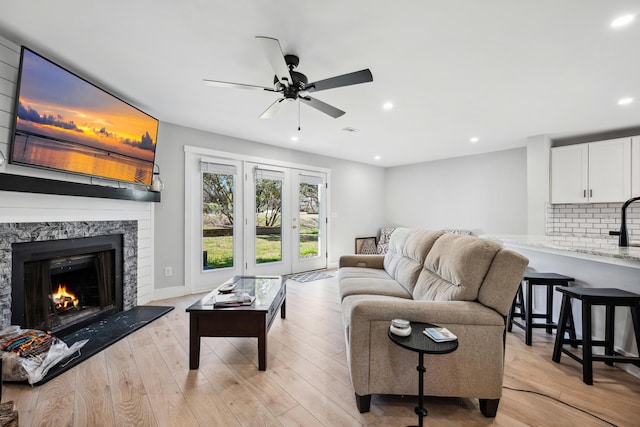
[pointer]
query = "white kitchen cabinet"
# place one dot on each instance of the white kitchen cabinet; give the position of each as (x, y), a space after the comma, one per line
(597, 172)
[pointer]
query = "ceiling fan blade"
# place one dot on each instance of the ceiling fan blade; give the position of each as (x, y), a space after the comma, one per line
(357, 77)
(322, 106)
(273, 109)
(275, 56)
(216, 83)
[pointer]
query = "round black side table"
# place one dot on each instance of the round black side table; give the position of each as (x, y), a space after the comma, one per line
(420, 343)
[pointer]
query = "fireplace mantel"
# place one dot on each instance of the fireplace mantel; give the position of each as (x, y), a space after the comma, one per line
(30, 184)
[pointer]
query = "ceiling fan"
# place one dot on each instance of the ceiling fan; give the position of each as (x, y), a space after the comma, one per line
(294, 85)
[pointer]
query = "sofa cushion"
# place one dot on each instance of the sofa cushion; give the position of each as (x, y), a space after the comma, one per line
(407, 251)
(369, 281)
(455, 268)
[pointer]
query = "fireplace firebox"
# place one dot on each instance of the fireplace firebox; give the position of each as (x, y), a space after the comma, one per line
(63, 285)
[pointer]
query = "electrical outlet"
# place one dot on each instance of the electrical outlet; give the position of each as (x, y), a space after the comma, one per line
(168, 272)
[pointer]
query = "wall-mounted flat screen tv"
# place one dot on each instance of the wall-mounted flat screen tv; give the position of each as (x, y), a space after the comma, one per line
(64, 123)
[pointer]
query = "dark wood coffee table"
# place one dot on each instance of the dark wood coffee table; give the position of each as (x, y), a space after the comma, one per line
(206, 320)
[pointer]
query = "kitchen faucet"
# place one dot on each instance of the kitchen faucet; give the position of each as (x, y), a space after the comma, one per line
(623, 240)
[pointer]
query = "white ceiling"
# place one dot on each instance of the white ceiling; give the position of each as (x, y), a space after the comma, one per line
(501, 70)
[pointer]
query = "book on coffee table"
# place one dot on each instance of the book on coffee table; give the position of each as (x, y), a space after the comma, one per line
(233, 299)
(439, 334)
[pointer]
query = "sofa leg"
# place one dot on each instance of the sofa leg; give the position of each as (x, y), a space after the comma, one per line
(489, 407)
(363, 403)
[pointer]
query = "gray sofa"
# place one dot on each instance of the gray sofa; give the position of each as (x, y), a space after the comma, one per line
(464, 283)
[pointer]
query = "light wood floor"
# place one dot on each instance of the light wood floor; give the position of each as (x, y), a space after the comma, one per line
(144, 380)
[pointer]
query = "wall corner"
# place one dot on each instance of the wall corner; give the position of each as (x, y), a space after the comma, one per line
(538, 181)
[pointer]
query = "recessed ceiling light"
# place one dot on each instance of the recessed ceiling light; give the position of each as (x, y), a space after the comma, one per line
(294, 138)
(377, 158)
(622, 21)
(474, 139)
(625, 101)
(387, 105)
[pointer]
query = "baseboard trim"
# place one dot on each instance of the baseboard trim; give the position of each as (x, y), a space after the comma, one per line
(170, 292)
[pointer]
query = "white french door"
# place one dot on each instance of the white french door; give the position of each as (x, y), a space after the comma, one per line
(267, 220)
(309, 221)
(251, 217)
(214, 242)
(285, 228)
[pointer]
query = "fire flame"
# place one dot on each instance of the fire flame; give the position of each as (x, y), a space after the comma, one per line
(64, 299)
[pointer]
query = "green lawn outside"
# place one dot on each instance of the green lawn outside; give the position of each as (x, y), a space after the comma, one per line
(268, 249)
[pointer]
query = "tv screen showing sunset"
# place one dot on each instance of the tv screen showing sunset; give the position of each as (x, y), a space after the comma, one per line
(65, 123)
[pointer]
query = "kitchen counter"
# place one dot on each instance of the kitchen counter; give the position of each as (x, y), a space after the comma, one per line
(595, 248)
(594, 262)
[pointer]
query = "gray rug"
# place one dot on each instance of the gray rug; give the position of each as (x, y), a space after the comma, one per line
(309, 276)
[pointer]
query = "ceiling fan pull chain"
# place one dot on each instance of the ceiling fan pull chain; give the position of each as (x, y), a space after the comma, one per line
(298, 115)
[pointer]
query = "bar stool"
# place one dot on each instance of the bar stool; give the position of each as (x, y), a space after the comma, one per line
(525, 305)
(611, 298)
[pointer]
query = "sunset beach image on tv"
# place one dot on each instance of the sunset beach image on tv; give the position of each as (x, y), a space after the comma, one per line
(66, 123)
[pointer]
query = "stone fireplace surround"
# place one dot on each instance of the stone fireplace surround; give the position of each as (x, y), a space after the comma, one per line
(40, 231)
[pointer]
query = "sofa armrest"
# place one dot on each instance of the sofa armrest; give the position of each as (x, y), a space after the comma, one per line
(377, 365)
(437, 312)
(366, 261)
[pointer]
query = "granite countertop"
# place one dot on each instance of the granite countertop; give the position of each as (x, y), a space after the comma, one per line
(601, 248)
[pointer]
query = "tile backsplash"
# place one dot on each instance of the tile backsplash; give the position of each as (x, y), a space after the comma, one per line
(592, 219)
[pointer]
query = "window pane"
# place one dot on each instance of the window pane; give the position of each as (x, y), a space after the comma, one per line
(217, 220)
(309, 227)
(268, 220)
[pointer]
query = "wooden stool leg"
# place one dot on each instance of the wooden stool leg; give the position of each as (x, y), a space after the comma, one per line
(565, 309)
(522, 313)
(518, 302)
(512, 312)
(635, 317)
(587, 348)
(609, 324)
(571, 328)
(549, 318)
(528, 313)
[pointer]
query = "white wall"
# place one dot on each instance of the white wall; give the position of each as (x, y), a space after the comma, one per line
(484, 193)
(356, 196)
